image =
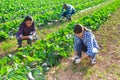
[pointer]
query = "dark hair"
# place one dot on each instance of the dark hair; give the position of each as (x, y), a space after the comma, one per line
(64, 4)
(27, 18)
(79, 28)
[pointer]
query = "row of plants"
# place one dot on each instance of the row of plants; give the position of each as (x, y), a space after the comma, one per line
(33, 62)
(10, 6)
(46, 15)
(93, 21)
(43, 9)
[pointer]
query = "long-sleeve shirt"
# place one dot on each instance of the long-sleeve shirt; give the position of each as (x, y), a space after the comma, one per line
(25, 31)
(69, 9)
(89, 41)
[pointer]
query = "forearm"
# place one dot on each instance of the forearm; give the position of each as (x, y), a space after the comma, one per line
(25, 37)
(75, 53)
(84, 56)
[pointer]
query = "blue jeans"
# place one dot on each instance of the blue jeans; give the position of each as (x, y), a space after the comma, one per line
(19, 40)
(67, 14)
(80, 46)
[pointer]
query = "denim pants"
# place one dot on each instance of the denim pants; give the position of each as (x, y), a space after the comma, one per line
(19, 40)
(80, 46)
(67, 14)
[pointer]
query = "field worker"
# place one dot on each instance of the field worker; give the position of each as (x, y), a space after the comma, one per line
(86, 42)
(26, 31)
(67, 11)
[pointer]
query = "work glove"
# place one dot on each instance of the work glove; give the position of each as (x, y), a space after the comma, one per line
(31, 37)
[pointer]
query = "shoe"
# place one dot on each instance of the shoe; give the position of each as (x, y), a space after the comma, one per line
(93, 61)
(19, 47)
(77, 61)
(29, 42)
(70, 19)
(75, 57)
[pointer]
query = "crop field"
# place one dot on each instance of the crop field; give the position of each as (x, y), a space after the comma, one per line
(48, 53)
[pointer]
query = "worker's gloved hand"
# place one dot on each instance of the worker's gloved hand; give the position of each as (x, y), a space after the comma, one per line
(30, 37)
(35, 37)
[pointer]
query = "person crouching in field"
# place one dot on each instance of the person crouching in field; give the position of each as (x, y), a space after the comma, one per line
(26, 31)
(86, 42)
(67, 11)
